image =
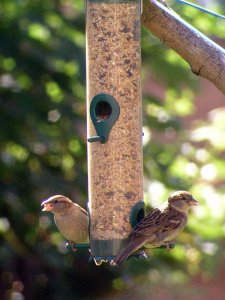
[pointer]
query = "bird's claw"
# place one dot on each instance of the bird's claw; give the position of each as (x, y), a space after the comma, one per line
(169, 246)
(71, 246)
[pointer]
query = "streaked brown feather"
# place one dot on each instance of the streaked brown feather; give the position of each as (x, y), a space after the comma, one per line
(158, 221)
(160, 227)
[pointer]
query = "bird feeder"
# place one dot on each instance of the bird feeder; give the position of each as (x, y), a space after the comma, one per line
(114, 123)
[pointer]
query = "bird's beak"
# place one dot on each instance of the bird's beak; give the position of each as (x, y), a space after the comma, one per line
(47, 206)
(193, 202)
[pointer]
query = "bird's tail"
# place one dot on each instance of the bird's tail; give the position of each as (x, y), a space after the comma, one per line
(132, 247)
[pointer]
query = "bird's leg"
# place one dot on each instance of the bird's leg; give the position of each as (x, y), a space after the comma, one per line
(73, 246)
(169, 245)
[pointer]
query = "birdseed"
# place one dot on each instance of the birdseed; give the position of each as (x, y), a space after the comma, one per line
(113, 67)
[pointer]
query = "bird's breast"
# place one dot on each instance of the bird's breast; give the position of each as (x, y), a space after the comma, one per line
(73, 227)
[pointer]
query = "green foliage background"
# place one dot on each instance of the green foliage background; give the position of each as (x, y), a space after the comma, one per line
(43, 152)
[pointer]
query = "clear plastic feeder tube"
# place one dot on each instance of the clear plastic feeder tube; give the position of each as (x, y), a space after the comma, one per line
(115, 169)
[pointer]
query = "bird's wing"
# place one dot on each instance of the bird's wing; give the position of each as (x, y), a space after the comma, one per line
(81, 209)
(147, 225)
(157, 221)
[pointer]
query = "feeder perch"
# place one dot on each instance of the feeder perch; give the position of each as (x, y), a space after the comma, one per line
(77, 246)
(114, 123)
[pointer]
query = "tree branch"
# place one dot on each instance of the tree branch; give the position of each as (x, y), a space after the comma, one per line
(205, 57)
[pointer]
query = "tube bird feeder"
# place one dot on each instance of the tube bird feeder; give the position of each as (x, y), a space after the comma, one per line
(114, 123)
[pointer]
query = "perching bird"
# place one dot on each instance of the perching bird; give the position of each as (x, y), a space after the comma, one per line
(70, 218)
(160, 227)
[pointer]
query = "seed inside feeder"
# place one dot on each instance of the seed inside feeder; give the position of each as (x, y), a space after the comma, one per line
(115, 167)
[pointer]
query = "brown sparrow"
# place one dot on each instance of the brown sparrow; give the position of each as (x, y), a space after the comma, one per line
(160, 227)
(70, 218)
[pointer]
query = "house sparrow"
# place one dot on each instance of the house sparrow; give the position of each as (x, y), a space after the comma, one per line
(160, 227)
(70, 218)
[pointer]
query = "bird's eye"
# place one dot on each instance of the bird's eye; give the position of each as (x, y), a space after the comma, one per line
(56, 201)
(183, 198)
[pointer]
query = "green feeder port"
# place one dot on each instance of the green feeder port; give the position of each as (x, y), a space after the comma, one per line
(137, 213)
(104, 112)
